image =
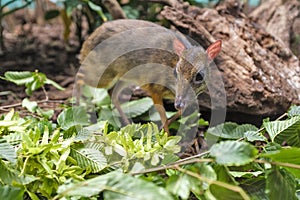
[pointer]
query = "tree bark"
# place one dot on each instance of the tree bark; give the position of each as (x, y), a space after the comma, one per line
(260, 73)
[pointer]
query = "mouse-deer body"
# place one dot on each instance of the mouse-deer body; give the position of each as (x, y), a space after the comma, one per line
(164, 63)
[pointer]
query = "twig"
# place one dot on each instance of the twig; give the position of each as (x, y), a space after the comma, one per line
(45, 93)
(189, 160)
(38, 102)
(291, 165)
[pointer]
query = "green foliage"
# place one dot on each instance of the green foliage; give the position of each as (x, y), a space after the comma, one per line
(287, 130)
(115, 185)
(71, 158)
(233, 153)
(31, 80)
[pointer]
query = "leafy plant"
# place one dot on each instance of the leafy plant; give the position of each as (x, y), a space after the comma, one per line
(73, 158)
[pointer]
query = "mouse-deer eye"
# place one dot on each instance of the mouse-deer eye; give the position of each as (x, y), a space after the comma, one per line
(199, 77)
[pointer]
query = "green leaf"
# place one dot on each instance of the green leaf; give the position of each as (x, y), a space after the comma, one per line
(136, 107)
(180, 185)
(287, 130)
(10, 176)
(89, 158)
(98, 10)
(29, 105)
(233, 153)
(115, 186)
(222, 193)
(19, 78)
(290, 155)
(11, 193)
(230, 130)
(280, 184)
(252, 136)
(53, 83)
(7, 151)
(255, 187)
(72, 116)
(294, 111)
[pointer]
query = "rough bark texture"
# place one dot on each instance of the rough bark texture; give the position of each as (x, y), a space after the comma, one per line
(260, 73)
(278, 17)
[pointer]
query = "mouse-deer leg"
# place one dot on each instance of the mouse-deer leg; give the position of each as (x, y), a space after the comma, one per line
(114, 93)
(159, 106)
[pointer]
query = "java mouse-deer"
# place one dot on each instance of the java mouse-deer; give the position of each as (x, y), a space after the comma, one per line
(165, 64)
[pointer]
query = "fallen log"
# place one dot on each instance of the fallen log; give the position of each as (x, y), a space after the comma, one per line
(260, 73)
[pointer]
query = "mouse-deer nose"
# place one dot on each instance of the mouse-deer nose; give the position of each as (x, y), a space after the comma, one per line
(179, 103)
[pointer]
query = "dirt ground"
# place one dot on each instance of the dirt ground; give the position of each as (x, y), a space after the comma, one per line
(30, 47)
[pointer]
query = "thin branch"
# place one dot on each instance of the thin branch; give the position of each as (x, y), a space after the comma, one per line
(190, 160)
(38, 102)
(45, 93)
(291, 165)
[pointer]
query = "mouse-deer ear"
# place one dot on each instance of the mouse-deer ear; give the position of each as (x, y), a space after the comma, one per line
(178, 47)
(214, 49)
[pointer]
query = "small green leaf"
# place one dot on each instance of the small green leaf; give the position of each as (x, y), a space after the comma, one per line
(53, 83)
(7, 151)
(280, 184)
(286, 130)
(222, 193)
(290, 155)
(233, 153)
(136, 107)
(231, 130)
(89, 158)
(72, 116)
(29, 105)
(19, 78)
(115, 186)
(252, 136)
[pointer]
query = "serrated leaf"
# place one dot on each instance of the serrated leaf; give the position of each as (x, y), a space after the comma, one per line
(89, 158)
(7, 151)
(231, 130)
(287, 130)
(136, 107)
(252, 136)
(116, 186)
(283, 181)
(72, 116)
(290, 155)
(233, 153)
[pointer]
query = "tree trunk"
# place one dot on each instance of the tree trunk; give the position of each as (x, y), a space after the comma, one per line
(260, 73)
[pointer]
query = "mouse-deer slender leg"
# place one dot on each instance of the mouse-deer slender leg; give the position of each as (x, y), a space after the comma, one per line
(114, 93)
(159, 106)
